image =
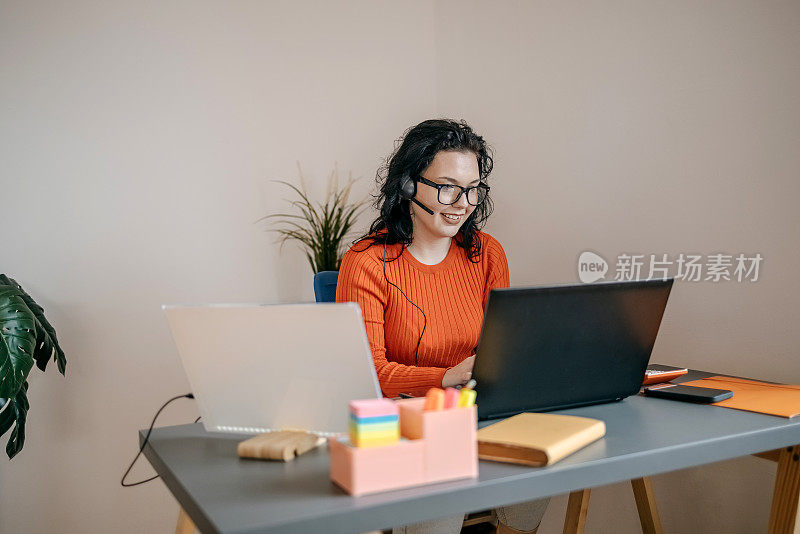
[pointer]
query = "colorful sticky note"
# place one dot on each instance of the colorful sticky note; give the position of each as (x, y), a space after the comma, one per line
(374, 422)
(377, 441)
(373, 407)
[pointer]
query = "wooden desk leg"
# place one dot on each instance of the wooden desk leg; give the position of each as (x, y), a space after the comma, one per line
(646, 504)
(769, 455)
(185, 525)
(577, 509)
(783, 516)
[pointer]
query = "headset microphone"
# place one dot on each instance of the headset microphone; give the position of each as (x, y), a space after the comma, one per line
(408, 190)
(421, 205)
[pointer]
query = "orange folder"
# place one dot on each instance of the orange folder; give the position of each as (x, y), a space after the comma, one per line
(753, 396)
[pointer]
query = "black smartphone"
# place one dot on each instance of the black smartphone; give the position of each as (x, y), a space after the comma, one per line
(688, 393)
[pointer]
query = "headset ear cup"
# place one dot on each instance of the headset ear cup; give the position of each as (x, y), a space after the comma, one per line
(408, 188)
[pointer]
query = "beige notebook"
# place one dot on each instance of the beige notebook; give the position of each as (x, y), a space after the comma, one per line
(537, 438)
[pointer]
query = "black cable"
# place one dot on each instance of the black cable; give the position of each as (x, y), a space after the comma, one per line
(144, 443)
(425, 317)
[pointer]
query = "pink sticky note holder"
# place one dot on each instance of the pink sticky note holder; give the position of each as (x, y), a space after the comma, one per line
(438, 446)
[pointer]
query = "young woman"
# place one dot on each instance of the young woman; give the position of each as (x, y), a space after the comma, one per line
(424, 270)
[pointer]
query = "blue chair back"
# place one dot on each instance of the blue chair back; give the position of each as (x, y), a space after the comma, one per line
(325, 286)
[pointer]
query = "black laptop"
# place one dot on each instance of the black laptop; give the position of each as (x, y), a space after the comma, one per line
(552, 347)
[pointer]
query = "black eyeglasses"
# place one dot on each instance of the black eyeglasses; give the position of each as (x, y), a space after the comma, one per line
(450, 193)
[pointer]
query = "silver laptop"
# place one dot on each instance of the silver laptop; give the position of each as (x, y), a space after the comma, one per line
(258, 368)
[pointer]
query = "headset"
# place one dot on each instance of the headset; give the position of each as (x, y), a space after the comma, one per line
(408, 191)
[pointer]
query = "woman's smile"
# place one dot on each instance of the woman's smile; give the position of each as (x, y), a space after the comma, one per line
(451, 218)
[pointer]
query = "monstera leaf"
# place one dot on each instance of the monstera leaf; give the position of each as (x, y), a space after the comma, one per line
(46, 340)
(26, 337)
(13, 413)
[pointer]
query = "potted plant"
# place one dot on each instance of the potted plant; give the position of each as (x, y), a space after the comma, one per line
(26, 337)
(321, 228)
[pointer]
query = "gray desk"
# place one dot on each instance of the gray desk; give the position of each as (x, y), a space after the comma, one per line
(222, 493)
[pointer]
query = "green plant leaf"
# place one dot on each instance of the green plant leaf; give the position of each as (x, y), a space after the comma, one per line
(14, 413)
(26, 337)
(17, 340)
(46, 340)
(6, 416)
(320, 227)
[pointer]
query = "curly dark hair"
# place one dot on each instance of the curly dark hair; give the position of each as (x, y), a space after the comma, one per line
(413, 153)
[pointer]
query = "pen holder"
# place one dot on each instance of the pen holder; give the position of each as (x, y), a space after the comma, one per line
(434, 446)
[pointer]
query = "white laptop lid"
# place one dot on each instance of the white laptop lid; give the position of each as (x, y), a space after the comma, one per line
(256, 368)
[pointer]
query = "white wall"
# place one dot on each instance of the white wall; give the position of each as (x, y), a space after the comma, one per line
(138, 143)
(648, 128)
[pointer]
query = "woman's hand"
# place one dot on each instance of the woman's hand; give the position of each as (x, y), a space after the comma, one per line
(460, 374)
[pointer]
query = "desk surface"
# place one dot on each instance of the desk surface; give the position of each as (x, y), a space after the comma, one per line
(644, 436)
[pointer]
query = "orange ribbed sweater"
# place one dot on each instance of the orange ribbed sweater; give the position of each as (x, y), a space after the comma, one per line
(452, 294)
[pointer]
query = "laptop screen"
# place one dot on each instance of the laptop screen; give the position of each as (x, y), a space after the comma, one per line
(552, 347)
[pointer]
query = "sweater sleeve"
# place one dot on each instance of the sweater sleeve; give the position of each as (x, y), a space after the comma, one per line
(361, 280)
(497, 267)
